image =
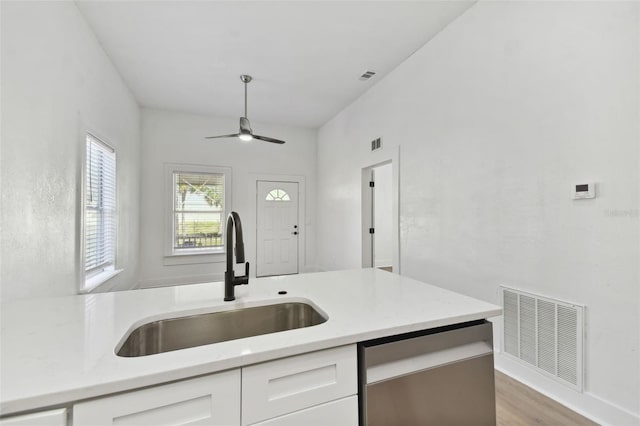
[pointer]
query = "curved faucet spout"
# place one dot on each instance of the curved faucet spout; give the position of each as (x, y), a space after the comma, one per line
(233, 221)
(230, 280)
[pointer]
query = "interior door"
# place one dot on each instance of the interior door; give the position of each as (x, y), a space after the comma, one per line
(277, 228)
(382, 217)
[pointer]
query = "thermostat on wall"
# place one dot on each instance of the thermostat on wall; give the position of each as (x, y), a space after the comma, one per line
(584, 190)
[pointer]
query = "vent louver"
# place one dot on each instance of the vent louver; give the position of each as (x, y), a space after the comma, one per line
(367, 75)
(544, 333)
(376, 144)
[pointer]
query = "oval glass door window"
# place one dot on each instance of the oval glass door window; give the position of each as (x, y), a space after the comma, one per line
(278, 195)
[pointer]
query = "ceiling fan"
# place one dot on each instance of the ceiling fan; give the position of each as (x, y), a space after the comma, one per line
(246, 134)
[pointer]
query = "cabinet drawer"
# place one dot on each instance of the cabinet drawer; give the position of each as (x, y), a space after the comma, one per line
(290, 384)
(44, 418)
(343, 412)
(209, 400)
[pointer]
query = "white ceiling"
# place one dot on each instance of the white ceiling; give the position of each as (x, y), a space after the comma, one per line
(305, 56)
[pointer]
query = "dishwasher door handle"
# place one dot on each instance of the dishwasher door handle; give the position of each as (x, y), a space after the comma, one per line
(400, 367)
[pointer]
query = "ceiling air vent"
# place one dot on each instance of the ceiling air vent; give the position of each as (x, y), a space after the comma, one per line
(367, 75)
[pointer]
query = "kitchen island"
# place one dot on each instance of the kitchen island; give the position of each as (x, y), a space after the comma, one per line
(57, 351)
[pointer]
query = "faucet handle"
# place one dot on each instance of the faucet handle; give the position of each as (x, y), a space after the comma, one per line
(244, 279)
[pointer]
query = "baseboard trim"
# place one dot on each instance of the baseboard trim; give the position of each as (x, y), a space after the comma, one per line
(585, 404)
(197, 279)
(181, 280)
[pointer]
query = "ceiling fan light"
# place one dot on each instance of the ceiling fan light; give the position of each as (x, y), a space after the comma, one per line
(246, 137)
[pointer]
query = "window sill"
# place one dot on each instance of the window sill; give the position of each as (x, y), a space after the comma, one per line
(194, 252)
(97, 280)
(193, 258)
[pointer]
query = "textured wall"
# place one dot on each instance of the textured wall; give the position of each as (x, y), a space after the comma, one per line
(170, 137)
(497, 118)
(57, 82)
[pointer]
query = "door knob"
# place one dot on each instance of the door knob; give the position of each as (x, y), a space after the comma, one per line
(294, 233)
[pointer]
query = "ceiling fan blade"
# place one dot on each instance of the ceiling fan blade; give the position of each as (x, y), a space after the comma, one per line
(246, 134)
(266, 139)
(235, 135)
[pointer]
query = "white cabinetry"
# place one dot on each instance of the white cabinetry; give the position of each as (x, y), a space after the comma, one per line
(343, 412)
(283, 386)
(317, 388)
(44, 418)
(210, 400)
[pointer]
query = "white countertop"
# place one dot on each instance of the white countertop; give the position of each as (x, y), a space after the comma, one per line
(58, 350)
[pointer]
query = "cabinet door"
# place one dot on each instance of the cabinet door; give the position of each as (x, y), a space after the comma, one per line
(211, 400)
(286, 385)
(343, 412)
(44, 418)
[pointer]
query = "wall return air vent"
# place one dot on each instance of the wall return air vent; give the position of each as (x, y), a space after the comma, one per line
(544, 333)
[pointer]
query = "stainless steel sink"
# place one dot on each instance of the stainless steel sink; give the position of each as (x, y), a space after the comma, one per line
(197, 330)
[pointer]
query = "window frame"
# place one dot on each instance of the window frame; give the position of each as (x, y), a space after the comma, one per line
(188, 256)
(89, 281)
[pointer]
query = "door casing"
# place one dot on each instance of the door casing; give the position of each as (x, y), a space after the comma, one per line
(393, 157)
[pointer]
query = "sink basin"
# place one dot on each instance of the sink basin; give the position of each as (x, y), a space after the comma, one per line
(197, 330)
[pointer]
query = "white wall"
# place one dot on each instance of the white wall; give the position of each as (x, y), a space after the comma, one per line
(171, 137)
(496, 118)
(383, 203)
(56, 79)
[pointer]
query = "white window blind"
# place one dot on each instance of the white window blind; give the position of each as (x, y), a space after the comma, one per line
(198, 211)
(99, 207)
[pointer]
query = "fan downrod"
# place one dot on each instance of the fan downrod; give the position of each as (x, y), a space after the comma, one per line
(245, 133)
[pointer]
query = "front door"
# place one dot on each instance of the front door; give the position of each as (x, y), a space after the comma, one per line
(278, 230)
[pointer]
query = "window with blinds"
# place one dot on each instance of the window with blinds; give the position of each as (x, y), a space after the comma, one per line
(198, 211)
(99, 207)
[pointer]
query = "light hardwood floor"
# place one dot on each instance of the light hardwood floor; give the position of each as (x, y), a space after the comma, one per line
(517, 404)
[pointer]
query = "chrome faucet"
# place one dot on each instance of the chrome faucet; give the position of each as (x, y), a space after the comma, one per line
(230, 280)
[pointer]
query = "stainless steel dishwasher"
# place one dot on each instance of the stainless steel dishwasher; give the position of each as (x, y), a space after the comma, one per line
(442, 376)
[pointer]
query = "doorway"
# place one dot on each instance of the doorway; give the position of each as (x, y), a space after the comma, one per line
(379, 219)
(382, 218)
(277, 228)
